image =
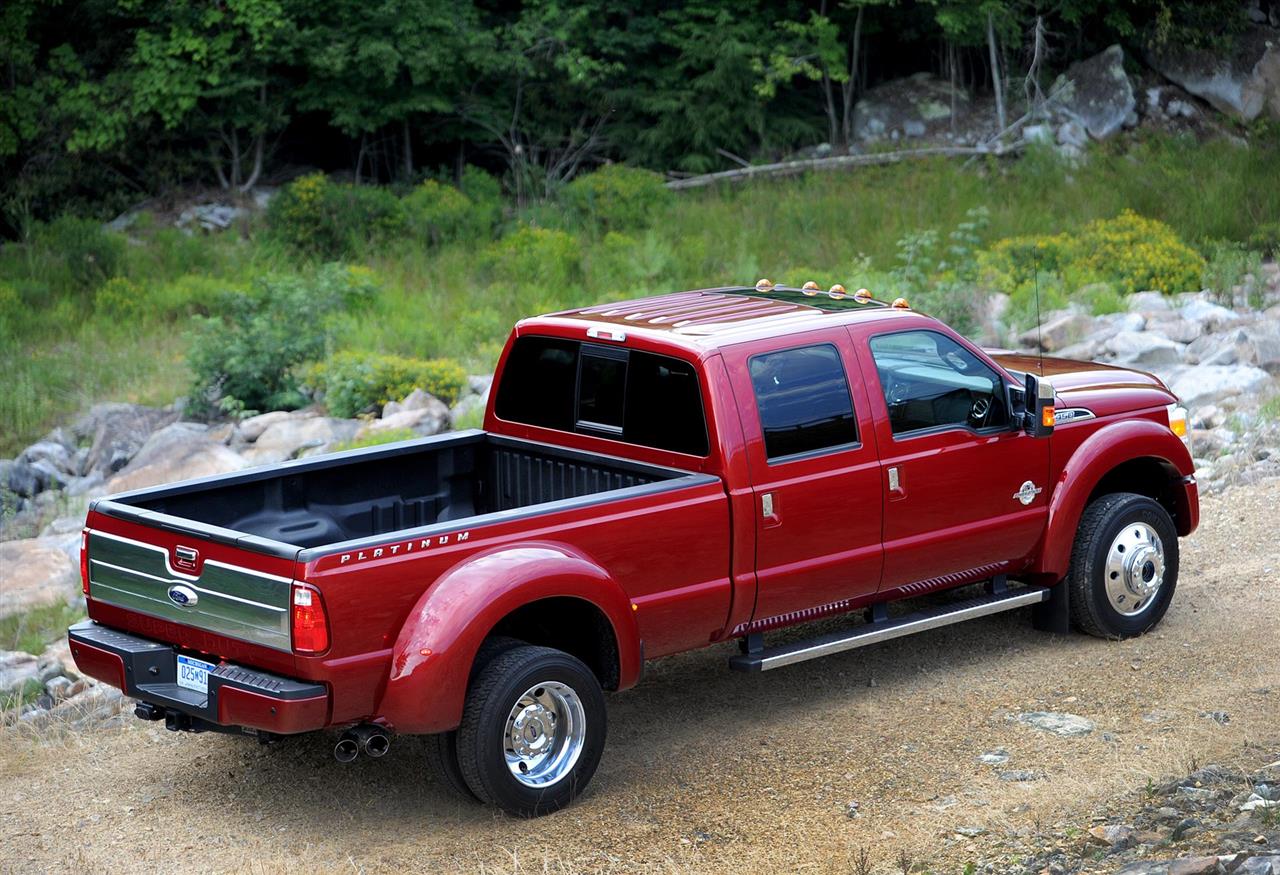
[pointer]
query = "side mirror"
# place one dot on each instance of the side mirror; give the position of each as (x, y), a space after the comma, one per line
(1038, 417)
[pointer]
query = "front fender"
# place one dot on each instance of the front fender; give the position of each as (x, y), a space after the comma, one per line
(432, 657)
(1104, 450)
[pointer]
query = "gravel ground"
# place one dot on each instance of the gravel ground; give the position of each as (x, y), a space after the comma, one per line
(798, 770)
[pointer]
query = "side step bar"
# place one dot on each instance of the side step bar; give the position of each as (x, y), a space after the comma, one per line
(766, 658)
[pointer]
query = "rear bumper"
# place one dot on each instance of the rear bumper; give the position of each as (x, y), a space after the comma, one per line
(237, 697)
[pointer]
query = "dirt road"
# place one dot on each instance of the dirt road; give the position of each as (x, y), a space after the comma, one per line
(708, 770)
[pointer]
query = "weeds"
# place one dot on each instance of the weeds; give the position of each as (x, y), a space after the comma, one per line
(32, 630)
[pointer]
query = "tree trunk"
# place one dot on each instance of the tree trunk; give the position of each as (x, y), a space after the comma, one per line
(997, 81)
(235, 158)
(259, 146)
(408, 152)
(364, 139)
(951, 67)
(850, 86)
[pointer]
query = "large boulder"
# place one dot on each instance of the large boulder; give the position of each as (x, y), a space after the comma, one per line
(1144, 348)
(115, 432)
(289, 438)
(1097, 92)
(911, 106)
(1208, 315)
(1243, 82)
(16, 668)
(1208, 384)
(181, 451)
(34, 573)
(1058, 331)
(421, 413)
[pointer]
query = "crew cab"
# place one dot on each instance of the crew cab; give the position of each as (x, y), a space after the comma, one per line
(653, 476)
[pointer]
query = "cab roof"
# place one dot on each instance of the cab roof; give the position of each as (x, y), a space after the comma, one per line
(708, 318)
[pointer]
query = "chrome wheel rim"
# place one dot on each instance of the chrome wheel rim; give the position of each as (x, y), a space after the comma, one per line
(1135, 569)
(546, 731)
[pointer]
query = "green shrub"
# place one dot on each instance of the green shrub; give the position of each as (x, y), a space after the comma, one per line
(354, 382)
(1266, 239)
(439, 213)
(1228, 266)
(617, 197)
(315, 216)
(244, 357)
(485, 192)
(120, 298)
(530, 256)
(375, 439)
(88, 253)
(14, 313)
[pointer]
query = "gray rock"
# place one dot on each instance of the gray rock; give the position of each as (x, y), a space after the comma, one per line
(57, 456)
(415, 400)
(36, 574)
(467, 407)
(286, 439)
(16, 668)
(1148, 302)
(1018, 775)
(1072, 133)
(1058, 331)
(62, 687)
(115, 432)
(997, 757)
(422, 420)
(1210, 384)
(25, 479)
(1176, 328)
(1144, 348)
(176, 452)
(1065, 725)
(1243, 82)
(211, 216)
(1097, 92)
(252, 428)
(1208, 314)
(913, 128)
(1262, 865)
(1038, 133)
(920, 99)
(479, 384)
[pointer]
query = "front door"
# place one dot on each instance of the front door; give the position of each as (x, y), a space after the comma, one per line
(815, 476)
(966, 492)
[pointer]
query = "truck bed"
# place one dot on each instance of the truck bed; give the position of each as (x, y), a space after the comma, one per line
(314, 503)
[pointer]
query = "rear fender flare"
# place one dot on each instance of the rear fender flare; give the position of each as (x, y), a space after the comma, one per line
(432, 657)
(1103, 451)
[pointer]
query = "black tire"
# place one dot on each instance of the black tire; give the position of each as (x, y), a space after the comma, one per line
(482, 737)
(442, 748)
(1101, 524)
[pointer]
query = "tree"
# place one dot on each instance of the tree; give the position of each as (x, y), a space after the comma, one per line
(384, 63)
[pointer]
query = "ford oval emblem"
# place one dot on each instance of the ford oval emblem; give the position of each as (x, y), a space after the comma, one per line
(183, 596)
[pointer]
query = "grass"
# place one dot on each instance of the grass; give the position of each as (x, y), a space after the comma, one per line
(33, 630)
(64, 350)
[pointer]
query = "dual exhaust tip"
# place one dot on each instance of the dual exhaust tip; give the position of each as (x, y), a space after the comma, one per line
(373, 740)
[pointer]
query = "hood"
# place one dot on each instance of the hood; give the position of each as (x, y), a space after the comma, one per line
(1069, 376)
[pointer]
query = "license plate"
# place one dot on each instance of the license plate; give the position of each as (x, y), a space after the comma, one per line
(193, 674)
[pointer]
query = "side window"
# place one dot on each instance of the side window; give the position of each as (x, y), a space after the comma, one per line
(803, 398)
(930, 381)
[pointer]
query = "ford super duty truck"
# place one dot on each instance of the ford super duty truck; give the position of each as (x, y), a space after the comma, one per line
(653, 476)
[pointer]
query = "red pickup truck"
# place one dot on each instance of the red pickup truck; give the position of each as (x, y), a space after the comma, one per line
(653, 476)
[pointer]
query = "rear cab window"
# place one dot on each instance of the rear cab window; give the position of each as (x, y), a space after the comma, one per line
(611, 392)
(803, 398)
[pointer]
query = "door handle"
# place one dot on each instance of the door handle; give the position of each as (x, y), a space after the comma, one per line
(768, 511)
(896, 489)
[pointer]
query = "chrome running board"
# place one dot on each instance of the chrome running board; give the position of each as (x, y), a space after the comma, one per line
(766, 658)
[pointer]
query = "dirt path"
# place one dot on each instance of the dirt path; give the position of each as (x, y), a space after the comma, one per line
(708, 770)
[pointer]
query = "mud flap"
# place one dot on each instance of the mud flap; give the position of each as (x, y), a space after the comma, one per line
(1054, 614)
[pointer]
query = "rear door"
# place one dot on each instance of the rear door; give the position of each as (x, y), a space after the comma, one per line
(966, 492)
(815, 475)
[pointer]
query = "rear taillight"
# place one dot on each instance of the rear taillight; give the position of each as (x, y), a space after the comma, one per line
(84, 561)
(310, 625)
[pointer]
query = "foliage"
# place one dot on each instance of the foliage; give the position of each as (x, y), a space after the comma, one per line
(31, 631)
(315, 216)
(543, 257)
(1230, 265)
(88, 253)
(375, 439)
(939, 276)
(616, 197)
(243, 357)
(1128, 253)
(1265, 239)
(354, 382)
(120, 298)
(438, 213)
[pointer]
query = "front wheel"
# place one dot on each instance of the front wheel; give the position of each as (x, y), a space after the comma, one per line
(533, 730)
(1124, 566)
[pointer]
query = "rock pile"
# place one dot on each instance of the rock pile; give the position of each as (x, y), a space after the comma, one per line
(1222, 362)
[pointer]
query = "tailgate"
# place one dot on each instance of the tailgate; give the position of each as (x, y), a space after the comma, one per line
(191, 583)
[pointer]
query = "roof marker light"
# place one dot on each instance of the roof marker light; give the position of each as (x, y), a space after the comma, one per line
(810, 288)
(900, 304)
(836, 292)
(862, 296)
(764, 285)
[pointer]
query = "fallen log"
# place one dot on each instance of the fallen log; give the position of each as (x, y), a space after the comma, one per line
(838, 162)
